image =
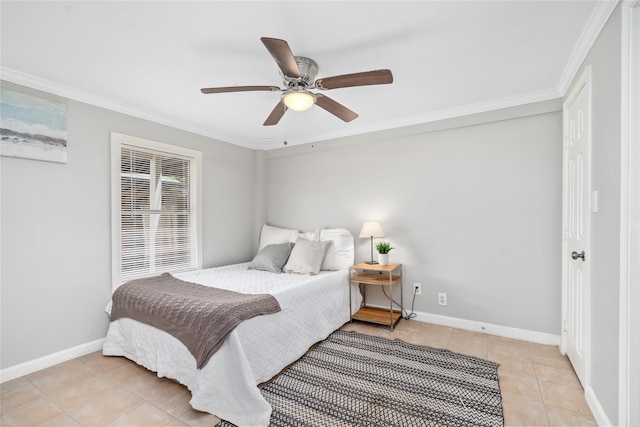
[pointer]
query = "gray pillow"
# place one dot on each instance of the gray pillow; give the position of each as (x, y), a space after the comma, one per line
(272, 258)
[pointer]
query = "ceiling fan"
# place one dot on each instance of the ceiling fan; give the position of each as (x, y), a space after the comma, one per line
(298, 73)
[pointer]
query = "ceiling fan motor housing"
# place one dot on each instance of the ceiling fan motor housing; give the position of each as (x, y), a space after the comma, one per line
(308, 72)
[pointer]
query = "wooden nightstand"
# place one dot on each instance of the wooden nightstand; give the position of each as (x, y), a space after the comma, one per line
(382, 275)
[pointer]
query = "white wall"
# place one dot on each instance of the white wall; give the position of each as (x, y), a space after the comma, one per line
(56, 238)
(605, 60)
(473, 207)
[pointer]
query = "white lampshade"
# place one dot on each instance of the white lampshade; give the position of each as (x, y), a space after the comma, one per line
(371, 229)
(298, 100)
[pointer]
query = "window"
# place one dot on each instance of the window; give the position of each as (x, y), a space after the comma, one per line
(155, 208)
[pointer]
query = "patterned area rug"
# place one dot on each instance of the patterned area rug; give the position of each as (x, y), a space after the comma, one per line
(351, 379)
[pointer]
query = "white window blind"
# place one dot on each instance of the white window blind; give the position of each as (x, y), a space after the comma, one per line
(157, 218)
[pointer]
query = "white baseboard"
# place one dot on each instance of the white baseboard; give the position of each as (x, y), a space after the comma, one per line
(488, 328)
(596, 409)
(16, 371)
(522, 334)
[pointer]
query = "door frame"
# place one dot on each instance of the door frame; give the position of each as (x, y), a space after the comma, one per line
(582, 83)
(629, 347)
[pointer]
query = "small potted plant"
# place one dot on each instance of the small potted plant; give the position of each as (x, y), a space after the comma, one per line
(383, 252)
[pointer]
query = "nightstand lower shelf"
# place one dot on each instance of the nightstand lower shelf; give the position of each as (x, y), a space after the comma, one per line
(378, 315)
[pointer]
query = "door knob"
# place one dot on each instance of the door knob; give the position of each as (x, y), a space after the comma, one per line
(576, 255)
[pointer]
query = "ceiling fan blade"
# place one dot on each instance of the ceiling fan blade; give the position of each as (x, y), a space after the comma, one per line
(208, 90)
(275, 115)
(281, 52)
(376, 77)
(335, 108)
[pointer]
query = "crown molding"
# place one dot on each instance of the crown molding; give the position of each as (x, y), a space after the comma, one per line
(596, 22)
(37, 83)
(450, 113)
(33, 82)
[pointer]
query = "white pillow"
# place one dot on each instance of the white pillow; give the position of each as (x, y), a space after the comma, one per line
(275, 235)
(309, 235)
(341, 252)
(306, 257)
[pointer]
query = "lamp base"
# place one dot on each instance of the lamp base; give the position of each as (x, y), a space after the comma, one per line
(371, 262)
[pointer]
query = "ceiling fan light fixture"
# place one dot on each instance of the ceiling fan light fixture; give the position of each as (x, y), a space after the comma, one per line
(298, 100)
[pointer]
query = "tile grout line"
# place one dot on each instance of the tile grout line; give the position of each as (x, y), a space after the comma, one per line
(49, 398)
(119, 415)
(535, 370)
(65, 411)
(162, 409)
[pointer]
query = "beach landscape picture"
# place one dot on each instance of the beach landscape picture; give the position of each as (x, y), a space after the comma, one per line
(32, 127)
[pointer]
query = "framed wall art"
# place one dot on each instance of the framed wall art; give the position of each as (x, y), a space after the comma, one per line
(32, 127)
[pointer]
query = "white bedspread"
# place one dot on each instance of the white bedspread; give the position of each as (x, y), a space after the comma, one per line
(312, 308)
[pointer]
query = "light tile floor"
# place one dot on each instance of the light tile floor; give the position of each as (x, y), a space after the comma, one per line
(537, 383)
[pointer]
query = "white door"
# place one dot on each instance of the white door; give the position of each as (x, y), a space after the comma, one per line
(576, 214)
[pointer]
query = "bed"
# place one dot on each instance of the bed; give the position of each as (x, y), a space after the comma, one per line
(312, 306)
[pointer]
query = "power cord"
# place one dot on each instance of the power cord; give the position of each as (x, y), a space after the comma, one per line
(406, 315)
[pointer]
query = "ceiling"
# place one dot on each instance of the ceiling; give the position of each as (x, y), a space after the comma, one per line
(150, 59)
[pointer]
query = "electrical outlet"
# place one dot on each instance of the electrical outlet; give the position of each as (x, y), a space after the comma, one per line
(417, 288)
(442, 298)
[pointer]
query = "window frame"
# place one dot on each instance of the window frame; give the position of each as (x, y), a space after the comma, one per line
(118, 141)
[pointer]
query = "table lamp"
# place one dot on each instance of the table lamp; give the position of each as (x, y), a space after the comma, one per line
(370, 230)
